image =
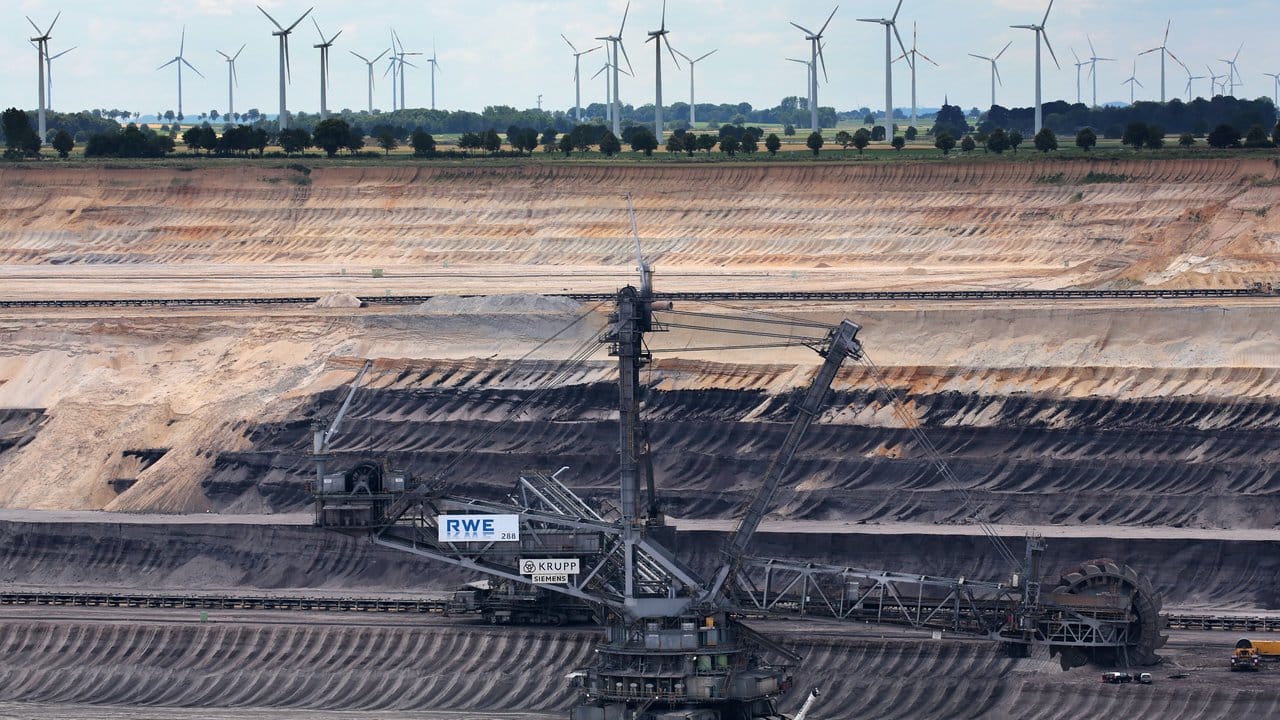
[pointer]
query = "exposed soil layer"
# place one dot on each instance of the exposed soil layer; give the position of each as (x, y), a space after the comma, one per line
(1044, 224)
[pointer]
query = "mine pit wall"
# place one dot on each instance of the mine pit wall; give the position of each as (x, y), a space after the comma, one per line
(214, 558)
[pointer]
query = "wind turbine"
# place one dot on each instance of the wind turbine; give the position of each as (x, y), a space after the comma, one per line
(49, 70)
(435, 65)
(693, 98)
(1213, 82)
(1163, 50)
(1093, 67)
(1040, 34)
(659, 38)
(815, 42)
(1078, 65)
(616, 41)
(912, 58)
(370, 64)
(1133, 80)
(286, 73)
(180, 61)
(323, 47)
(1191, 78)
(808, 78)
(1274, 76)
(1232, 72)
(577, 77)
(890, 24)
(42, 48)
(232, 80)
(995, 71)
(400, 56)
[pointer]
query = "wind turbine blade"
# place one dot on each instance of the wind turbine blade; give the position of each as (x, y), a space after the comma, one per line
(896, 10)
(335, 37)
(673, 55)
(167, 64)
(998, 78)
(406, 62)
(235, 76)
(625, 12)
(304, 17)
(1006, 47)
(571, 47)
(353, 52)
(663, 26)
(1092, 65)
(802, 62)
(228, 57)
(804, 29)
(64, 52)
(1046, 14)
(980, 57)
(182, 45)
(1175, 59)
(1092, 52)
(911, 62)
(193, 67)
(273, 20)
(630, 70)
(1019, 27)
(926, 57)
(1144, 52)
(313, 22)
(686, 57)
(237, 55)
(1166, 32)
(1074, 55)
(55, 22)
(833, 14)
(1237, 55)
(704, 57)
(1050, 46)
(822, 57)
(33, 24)
(288, 66)
(593, 77)
(588, 52)
(384, 52)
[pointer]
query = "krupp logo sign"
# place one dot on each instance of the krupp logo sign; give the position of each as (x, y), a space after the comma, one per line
(563, 566)
(478, 528)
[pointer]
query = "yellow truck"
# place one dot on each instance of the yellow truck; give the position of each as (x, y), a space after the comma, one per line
(1250, 654)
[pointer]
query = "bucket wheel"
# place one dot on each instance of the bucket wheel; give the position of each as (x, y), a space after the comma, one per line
(365, 477)
(1107, 577)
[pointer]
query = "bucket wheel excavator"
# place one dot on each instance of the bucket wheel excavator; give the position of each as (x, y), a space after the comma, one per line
(675, 641)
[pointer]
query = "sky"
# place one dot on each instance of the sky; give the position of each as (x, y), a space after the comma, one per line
(508, 52)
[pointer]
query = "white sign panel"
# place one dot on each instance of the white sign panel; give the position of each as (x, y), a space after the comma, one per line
(558, 566)
(550, 579)
(478, 528)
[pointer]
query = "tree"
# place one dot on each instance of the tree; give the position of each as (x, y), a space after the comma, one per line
(294, 140)
(609, 144)
(967, 144)
(1086, 139)
(749, 144)
(582, 138)
(911, 132)
(772, 144)
(1275, 133)
(707, 143)
(387, 140)
(643, 140)
(355, 140)
(1224, 136)
(944, 142)
(869, 119)
(877, 133)
(191, 138)
(861, 139)
(815, 142)
(1155, 137)
(423, 144)
(898, 143)
(690, 144)
(1015, 140)
(566, 144)
(1046, 140)
(729, 145)
(1135, 135)
(844, 139)
(208, 139)
(331, 135)
(492, 141)
(63, 143)
(675, 143)
(17, 129)
(997, 141)
(789, 130)
(1186, 139)
(1256, 137)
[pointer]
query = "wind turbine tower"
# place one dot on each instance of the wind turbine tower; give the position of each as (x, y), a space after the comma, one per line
(180, 61)
(1275, 77)
(816, 56)
(49, 70)
(1133, 80)
(659, 38)
(615, 102)
(577, 78)
(1078, 65)
(1093, 68)
(693, 97)
(1233, 74)
(995, 69)
(890, 32)
(370, 63)
(323, 47)
(232, 80)
(435, 65)
(1164, 50)
(402, 63)
(285, 71)
(912, 56)
(1040, 35)
(42, 48)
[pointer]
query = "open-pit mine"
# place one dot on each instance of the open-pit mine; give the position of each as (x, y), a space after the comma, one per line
(936, 439)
